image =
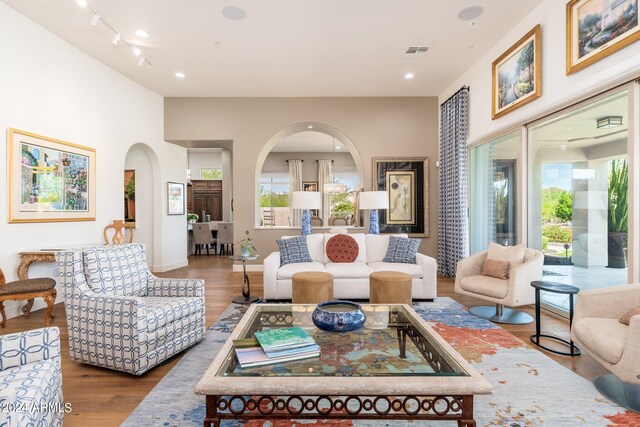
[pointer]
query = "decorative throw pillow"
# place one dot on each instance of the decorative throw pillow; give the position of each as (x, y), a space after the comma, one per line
(495, 268)
(513, 254)
(342, 248)
(626, 318)
(402, 250)
(294, 250)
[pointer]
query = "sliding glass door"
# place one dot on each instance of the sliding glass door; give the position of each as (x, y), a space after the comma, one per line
(578, 200)
(493, 192)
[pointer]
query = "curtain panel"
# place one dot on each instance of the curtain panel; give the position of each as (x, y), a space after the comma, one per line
(295, 184)
(325, 176)
(452, 196)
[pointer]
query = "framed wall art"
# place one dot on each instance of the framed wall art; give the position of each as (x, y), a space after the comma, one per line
(598, 28)
(175, 198)
(406, 181)
(49, 180)
(516, 75)
(310, 186)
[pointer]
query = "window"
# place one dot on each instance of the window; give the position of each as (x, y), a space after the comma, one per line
(211, 173)
(343, 204)
(274, 199)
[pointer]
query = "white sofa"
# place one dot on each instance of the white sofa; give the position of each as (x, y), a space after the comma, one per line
(351, 280)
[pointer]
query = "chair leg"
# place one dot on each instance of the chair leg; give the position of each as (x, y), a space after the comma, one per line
(4, 316)
(501, 314)
(624, 394)
(49, 299)
(207, 249)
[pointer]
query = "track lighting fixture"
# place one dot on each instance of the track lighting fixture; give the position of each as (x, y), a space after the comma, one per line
(94, 20)
(116, 39)
(141, 61)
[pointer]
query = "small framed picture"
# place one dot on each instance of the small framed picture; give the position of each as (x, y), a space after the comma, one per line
(598, 28)
(516, 75)
(175, 198)
(310, 186)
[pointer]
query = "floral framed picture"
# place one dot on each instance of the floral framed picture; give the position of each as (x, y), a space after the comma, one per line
(49, 180)
(516, 75)
(406, 181)
(598, 28)
(175, 198)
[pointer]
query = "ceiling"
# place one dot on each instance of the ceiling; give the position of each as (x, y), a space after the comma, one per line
(309, 142)
(284, 47)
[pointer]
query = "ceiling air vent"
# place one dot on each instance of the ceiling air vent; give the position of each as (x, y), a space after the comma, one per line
(416, 51)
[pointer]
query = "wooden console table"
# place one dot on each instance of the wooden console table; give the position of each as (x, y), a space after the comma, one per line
(26, 259)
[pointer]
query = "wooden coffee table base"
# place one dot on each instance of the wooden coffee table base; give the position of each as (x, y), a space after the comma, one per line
(442, 408)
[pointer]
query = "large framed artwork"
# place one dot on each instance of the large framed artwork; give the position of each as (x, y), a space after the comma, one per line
(49, 180)
(406, 181)
(516, 75)
(310, 186)
(175, 198)
(598, 28)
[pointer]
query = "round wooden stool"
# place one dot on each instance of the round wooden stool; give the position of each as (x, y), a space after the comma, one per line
(389, 287)
(311, 287)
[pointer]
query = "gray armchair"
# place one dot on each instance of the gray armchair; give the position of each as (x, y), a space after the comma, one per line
(120, 316)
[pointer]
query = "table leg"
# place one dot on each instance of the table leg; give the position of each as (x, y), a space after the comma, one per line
(571, 322)
(537, 316)
(402, 342)
(211, 418)
(23, 274)
(4, 317)
(467, 413)
(50, 300)
(246, 293)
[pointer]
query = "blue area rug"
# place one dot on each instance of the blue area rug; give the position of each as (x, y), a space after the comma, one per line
(530, 389)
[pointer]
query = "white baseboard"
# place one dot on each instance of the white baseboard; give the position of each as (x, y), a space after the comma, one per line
(250, 267)
(163, 268)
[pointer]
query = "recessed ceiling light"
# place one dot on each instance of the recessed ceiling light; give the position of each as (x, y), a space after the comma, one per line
(81, 3)
(408, 76)
(337, 147)
(470, 13)
(234, 13)
(136, 51)
(563, 147)
(217, 43)
(180, 75)
(309, 127)
(470, 47)
(472, 23)
(142, 33)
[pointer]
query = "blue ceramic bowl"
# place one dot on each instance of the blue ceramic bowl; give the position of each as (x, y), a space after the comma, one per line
(338, 316)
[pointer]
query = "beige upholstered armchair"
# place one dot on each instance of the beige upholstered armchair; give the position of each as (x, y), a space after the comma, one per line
(596, 329)
(512, 292)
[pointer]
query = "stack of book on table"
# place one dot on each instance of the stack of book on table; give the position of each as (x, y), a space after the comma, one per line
(275, 346)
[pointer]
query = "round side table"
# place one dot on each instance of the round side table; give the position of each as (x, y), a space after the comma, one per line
(246, 297)
(557, 288)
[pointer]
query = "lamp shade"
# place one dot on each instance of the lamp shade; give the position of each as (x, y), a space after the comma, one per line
(374, 200)
(306, 200)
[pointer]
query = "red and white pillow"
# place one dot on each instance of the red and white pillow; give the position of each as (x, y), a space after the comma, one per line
(342, 248)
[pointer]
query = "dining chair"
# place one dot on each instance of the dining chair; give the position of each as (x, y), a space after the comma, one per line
(202, 236)
(225, 236)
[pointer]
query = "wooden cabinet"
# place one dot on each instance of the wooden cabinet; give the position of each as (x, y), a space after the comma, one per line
(205, 195)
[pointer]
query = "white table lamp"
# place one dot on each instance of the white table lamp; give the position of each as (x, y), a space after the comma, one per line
(306, 200)
(374, 200)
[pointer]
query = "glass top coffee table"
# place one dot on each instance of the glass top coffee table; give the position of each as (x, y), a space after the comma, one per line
(396, 367)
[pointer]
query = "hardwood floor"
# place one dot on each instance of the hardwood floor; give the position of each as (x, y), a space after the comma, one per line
(101, 397)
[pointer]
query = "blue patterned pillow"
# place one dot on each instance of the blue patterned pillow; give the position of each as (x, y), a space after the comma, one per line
(294, 250)
(402, 250)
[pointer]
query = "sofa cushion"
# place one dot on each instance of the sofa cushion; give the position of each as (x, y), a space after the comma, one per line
(402, 250)
(377, 245)
(293, 250)
(352, 270)
(603, 336)
(342, 248)
(414, 270)
(360, 240)
(116, 270)
(513, 254)
(161, 311)
(495, 268)
(485, 285)
(286, 271)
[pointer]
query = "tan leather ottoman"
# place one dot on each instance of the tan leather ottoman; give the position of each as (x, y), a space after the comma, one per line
(311, 287)
(389, 287)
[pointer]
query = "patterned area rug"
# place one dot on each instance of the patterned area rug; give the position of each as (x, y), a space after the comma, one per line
(530, 389)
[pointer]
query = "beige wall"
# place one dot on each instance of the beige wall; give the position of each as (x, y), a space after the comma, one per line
(379, 127)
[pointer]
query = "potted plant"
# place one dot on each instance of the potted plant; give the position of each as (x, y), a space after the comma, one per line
(246, 245)
(191, 218)
(130, 190)
(618, 213)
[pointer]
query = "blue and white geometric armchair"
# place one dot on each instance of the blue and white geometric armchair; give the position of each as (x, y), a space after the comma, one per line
(120, 316)
(31, 379)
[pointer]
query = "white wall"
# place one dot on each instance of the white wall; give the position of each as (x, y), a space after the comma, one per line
(51, 88)
(198, 160)
(558, 89)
